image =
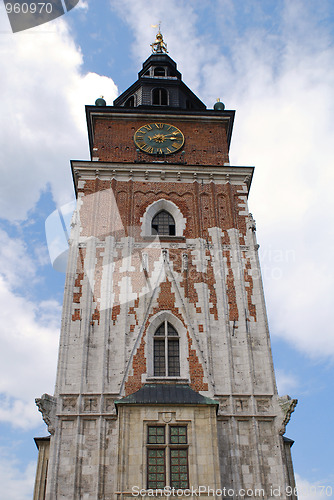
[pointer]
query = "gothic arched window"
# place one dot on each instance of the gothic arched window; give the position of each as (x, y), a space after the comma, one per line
(163, 224)
(160, 97)
(166, 355)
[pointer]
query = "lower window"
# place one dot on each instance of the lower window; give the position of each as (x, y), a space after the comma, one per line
(167, 457)
(179, 468)
(156, 468)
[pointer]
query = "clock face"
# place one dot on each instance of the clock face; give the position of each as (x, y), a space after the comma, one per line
(159, 138)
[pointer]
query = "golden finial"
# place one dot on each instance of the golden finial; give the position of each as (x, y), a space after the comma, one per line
(159, 46)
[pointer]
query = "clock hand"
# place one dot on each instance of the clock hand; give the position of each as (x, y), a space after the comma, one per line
(164, 136)
(171, 138)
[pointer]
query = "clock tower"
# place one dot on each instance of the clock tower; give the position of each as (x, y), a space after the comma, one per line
(165, 376)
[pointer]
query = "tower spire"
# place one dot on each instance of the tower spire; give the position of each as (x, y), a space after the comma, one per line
(159, 46)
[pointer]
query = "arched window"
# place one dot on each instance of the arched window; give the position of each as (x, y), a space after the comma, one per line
(166, 355)
(162, 205)
(163, 224)
(159, 71)
(160, 97)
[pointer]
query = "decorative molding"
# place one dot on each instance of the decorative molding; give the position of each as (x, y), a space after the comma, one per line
(47, 406)
(250, 222)
(109, 405)
(224, 406)
(287, 406)
(90, 404)
(241, 404)
(142, 172)
(247, 181)
(69, 403)
(167, 416)
(153, 209)
(263, 405)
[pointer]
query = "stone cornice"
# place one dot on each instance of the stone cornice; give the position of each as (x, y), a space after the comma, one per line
(160, 172)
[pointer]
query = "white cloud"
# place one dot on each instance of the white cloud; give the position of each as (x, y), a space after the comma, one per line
(29, 336)
(15, 265)
(284, 127)
(16, 481)
(43, 118)
(286, 382)
(83, 4)
(312, 491)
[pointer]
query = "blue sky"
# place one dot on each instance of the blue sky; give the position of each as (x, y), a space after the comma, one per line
(271, 61)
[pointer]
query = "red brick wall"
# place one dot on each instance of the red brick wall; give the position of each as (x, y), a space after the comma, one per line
(205, 142)
(203, 206)
(166, 301)
(120, 206)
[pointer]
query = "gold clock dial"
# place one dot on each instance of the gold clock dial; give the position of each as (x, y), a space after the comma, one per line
(159, 138)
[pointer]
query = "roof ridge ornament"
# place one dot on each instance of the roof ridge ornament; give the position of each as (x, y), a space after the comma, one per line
(159, 46)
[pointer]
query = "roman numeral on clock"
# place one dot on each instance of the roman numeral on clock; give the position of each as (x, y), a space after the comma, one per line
(148, 149)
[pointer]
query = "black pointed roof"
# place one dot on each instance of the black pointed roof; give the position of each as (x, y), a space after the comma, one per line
(159, 71)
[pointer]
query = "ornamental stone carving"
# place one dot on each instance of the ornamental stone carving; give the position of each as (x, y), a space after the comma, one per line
(47, 406)
(224, 406)
(109, 405)
(263, 405)
(90, 404)
(69, 403)
(167, 416)
(241, 405)
(288, 406)
(251, 224)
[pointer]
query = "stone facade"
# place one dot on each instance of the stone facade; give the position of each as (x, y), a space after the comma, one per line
(43, 445)
(203, 460)
(122, 283)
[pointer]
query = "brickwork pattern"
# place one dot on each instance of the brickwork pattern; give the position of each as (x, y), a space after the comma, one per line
(97, 284)
(121, 206)
(230, 290)
(134, 381)
(195, 369)
(78, 283)
(249, 289)
(205, 144)
(130, 201)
